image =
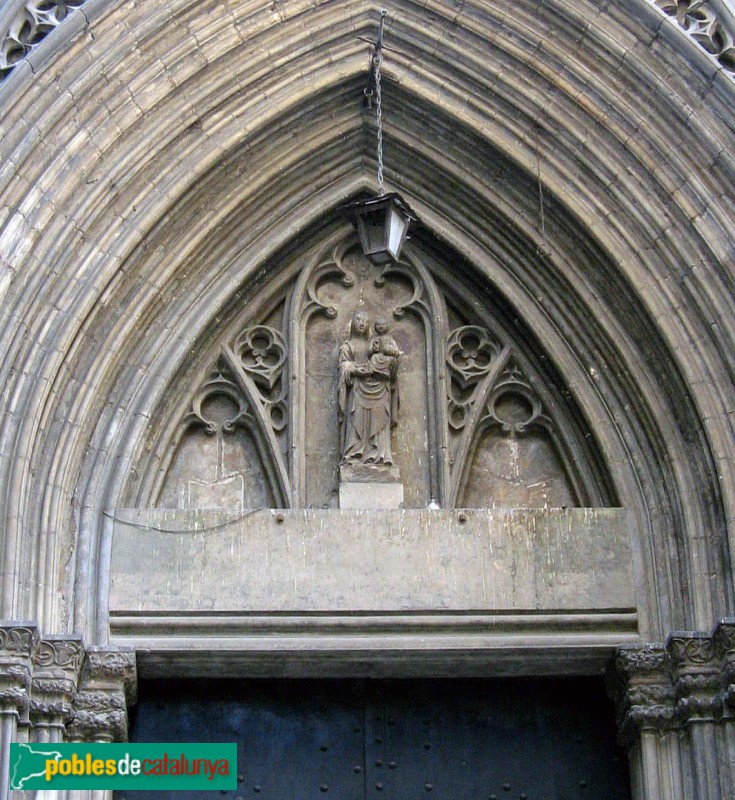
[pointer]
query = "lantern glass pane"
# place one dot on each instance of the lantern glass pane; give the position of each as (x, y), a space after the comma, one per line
(372, 223)
(397, 230)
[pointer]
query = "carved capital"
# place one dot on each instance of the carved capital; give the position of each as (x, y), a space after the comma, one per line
(107, 687)
(17, 641)
(17, 645)
(697, 675)
(644, 660)
(99, 716)
(57, 665)
(14, 690)
(641, 687)
(690, 679)
(725, 644)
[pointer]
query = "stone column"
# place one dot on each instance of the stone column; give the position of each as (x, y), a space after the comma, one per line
(57, 664)
(676, 714)
(107, 687)
(725, 644)
(18, 642)
(697, 678)
(640, 684)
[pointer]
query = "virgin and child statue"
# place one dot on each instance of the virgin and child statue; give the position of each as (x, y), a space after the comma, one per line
(368, 392)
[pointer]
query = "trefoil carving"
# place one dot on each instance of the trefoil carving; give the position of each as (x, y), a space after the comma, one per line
(706, 26)
(31, 24)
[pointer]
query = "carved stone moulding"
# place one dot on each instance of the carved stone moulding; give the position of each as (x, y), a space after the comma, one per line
(667, 687)
(704, 21)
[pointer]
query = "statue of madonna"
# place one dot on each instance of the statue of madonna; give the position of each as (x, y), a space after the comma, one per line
(368, 392)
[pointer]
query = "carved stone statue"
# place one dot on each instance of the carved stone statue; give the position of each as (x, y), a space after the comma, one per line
(368, 392)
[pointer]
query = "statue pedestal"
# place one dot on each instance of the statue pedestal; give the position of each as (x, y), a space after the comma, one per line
(370, 486)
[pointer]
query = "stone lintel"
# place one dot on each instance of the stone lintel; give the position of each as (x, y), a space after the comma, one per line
(339, 561)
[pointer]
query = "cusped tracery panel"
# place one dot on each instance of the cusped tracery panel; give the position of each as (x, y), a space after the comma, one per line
(228, 452)
(514, 458)
(325, 300)
(504, 448)
(463, 418)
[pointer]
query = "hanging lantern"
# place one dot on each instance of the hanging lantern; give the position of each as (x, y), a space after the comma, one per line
(382, 221)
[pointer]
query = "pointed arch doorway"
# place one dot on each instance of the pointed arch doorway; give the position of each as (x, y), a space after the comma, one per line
(491, 425)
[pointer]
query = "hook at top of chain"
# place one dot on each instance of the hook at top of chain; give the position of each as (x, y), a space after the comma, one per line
(373, 89)
(376, 55)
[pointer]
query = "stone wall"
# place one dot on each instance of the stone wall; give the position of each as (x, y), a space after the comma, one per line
(166, 174)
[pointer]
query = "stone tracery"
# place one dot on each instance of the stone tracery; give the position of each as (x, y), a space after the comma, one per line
(687, 608)
(277, 382)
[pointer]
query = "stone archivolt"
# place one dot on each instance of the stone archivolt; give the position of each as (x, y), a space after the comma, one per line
(121, 245)
(145, 237)
(28, 22)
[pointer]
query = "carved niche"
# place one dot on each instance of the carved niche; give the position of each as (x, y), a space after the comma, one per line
(322, 305)
(473, 423)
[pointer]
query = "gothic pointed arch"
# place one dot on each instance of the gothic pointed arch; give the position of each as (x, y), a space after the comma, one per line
(147, 205)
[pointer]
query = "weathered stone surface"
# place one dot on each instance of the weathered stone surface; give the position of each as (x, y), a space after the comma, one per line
(572, 162)
(395, 560)
(369, 473)
(370, 494)
(370, 486)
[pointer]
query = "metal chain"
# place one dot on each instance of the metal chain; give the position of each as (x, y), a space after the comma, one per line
(379, 107)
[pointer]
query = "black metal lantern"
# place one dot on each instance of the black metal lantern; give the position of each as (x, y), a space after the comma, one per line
(382, 221)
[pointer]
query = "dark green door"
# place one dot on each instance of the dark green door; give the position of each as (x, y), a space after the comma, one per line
(396, 740)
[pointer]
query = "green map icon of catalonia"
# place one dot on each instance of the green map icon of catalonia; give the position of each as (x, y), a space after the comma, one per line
(29, 764)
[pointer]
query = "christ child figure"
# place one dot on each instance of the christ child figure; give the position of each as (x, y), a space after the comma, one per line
(383, 354)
